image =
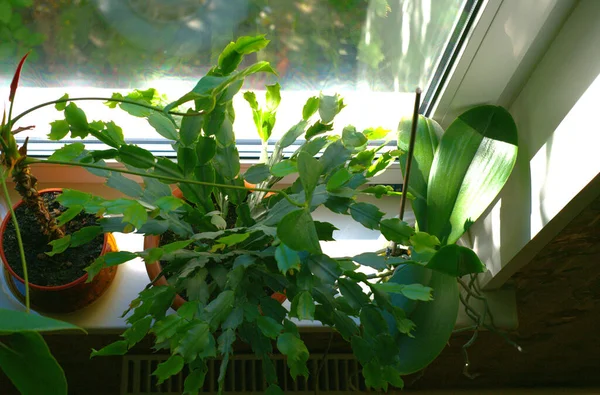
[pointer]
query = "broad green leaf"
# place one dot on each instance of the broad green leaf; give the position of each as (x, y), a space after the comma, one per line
(168, 368)
(325, 230)
(227, 161)
(474, 159)
(376, 134)
(274, 389)
(353, 139)
(329, 107)
(345, 325)
(59, 245)
(68, 215)
(168, 203)
(353, 293)
(135, 214)
(68, 152)
(166, 168)
(218, 310)
(58, 130)
(167, 327)
(311, 107)
(456, 261)
(338, 179)
(292, 135)
(395, 230)
(123, 184)
(268, 326)
(117, 348)
(326, 269)
(318, 128)
(137, 331)
(71, 197)
(424, 243)
(77, 120)
(232, 55)
(205, 149)
(114, 133)
(309, 170)
(296, 352)
(233, 239)
(28, 363)
(362, 350)
(411, 291)
(257, 173)
(382, 190)
(287, 259)
(297, 230)
(110, 259)
(186, 157)
(426, 142)
(434, 321)
(380, 165)
(197, 342)
(190, 128)
(195, 380)
(176, 245)
(367, 214)
(372, 321)
(273, 96)
(163, 126)
(61, 105)
(335, 155)
(136, 156)
(85, 235)
(305, 306)
(19, 321)
(284, 168)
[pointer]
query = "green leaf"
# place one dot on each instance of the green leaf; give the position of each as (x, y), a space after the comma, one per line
(196, 342)
(305, 306)
(59, 245)
(117, 348)
(58, 130)
(338, 179)
(176, 245)
(273, 96)
(411, 291)
(434, 321)
(137, 331)
(345, 325)
(395, 230)
(329, 107)
(68, 152)
(227, 161)
(220, 307)
(475, 157)
(167, 327)
(311, 107)
(195, 380)
(135, 214)
(77, 120)
(168, 203)
(456, 261)
(61, 106)
(426, 142)
(325, 268)
(296, 352)
(353, 293)
(309, 170)
(28, 363)
(166, 168)
(372, 321)
(325, 230)
(382, 190)
(6, 11)
(191, 127)
(380, 165)
(297, 230)
(257, 173)
(335, 155)
(163, 126)
(205, 149)
(233, 239)
(353, 139)
(292, 135)
(232, 55)
(186, 157)
(19, 321)
(135, 156)
(376, 134)
(110, 259)
(318, 128)
(268, 326)
(68, 215)
(362, 350)
(367, 214)
(274, 389)
(168, 368)
(287, 259)
(424, 243)
(284, 168)
(371, 259)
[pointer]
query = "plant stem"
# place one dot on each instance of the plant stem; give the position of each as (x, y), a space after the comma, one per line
(21, 115)
(380, 275)
(19, 239)
(166, 178)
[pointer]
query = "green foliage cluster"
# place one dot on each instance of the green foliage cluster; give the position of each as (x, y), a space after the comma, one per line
(223, 267)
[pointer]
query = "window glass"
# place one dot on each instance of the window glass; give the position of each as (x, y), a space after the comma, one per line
(372, 52)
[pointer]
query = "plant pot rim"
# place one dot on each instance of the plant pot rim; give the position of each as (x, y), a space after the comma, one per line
(5, 221)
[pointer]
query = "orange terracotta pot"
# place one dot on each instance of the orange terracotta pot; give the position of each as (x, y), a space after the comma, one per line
(64, 298)
(154, 269)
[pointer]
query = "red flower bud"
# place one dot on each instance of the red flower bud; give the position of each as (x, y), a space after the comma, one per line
(15, 81)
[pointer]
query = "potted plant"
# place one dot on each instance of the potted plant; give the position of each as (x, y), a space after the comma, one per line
(233, 247)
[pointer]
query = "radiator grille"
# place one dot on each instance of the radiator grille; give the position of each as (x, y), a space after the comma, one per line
(340, 375)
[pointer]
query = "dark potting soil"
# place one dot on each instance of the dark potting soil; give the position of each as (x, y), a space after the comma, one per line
(42, 269)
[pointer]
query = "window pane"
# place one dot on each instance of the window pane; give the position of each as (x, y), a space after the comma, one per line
(372, 52)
